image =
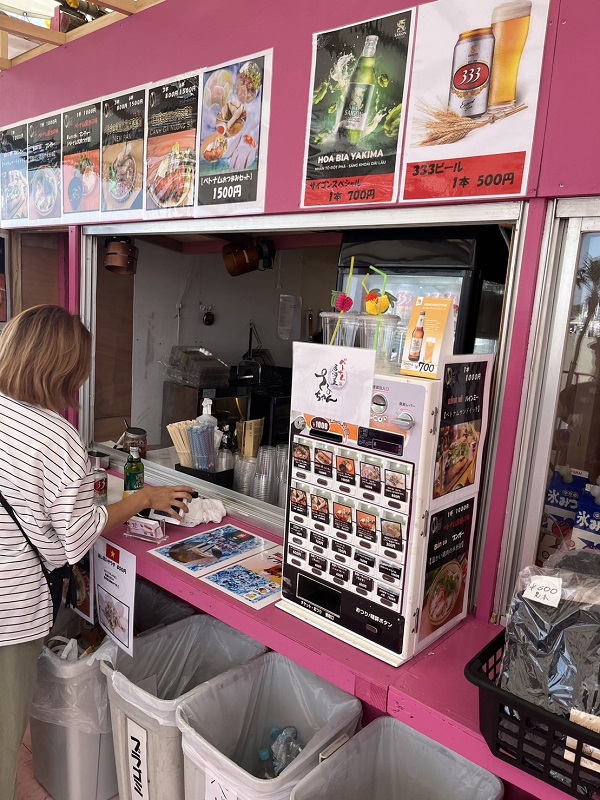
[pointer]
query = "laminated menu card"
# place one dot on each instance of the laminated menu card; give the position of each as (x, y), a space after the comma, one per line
(255, 581)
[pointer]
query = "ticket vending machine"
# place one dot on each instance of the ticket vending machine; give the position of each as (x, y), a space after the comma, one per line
(380, 519)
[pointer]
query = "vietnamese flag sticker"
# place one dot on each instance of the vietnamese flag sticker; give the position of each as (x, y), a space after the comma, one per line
(112, 553)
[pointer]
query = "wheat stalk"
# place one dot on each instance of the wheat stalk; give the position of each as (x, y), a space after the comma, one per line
(442, 126)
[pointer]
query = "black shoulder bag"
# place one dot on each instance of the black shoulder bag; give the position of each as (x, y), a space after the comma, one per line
(55, 578)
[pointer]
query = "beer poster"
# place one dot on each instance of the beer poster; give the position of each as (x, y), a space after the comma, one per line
(356, 112)
(43, 168)
(447, 567)
(171, 147)
(13, 175)
(81, 161)
(234, 126)
(430, 335)
(122, 158)
(462, 425)
(473, 102)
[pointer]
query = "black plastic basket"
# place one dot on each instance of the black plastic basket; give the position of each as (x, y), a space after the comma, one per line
(529, 737)
(223, 478)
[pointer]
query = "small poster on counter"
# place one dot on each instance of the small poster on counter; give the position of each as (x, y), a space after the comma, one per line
(171, 147)
(356, 112)
(473, 99)
(81, 161)
(44, 168)
(429, 336)
(234, 127)
(447, 567)
(206, 552)
(122, 167)
(463, 425)
(13, 175)
(255, 581)
(114, 570)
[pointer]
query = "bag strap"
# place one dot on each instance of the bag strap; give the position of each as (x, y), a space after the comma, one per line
(11, 512)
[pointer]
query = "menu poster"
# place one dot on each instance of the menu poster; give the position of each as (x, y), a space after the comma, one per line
(81, 159)
(463, 424)
(255, 581)
(233, 136)
(43, 168)
(13, 174)
(123, 124)
(447, 567)
(474, 96)
(355, 117)
(114, 571)
(171, 146)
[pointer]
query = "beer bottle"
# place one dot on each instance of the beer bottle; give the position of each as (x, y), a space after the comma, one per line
(416, 342)
(359, 94)
(133, 473)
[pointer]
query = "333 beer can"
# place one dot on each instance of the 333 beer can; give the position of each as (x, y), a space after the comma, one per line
(471, 70)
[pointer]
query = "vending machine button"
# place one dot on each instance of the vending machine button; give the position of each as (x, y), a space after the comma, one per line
(373, 628)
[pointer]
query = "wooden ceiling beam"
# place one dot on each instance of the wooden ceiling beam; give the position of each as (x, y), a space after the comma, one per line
(34, 33)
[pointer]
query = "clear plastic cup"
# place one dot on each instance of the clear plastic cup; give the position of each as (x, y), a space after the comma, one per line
(377, 333)
(345, 332)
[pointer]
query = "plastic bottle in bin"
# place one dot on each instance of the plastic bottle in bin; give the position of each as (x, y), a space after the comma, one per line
(265, 769)
(285, 748)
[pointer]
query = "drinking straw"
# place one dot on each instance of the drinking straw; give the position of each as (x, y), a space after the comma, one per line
(337, 324)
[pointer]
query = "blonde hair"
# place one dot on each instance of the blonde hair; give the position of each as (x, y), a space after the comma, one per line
(45, 357)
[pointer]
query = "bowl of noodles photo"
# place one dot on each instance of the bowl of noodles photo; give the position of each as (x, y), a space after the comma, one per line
(444, 592)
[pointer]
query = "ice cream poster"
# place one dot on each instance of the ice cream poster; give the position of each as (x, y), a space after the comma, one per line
(356, 112)
(333, 382)
(473, 98)
(234, 127)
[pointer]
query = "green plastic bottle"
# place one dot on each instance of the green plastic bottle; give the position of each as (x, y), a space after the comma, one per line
(133, 473)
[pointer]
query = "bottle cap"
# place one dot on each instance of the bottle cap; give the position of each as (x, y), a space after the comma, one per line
(274, 732)
(134, 451)
(264, 754)
(206, 405)
(370, 45)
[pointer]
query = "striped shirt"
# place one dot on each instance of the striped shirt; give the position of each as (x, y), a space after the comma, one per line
(46, 477)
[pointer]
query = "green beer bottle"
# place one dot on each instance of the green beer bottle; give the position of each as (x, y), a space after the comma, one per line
(133, 473)
(359, 94)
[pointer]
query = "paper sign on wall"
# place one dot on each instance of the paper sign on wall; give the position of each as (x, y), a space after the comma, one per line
(115, 591)
(429, 336)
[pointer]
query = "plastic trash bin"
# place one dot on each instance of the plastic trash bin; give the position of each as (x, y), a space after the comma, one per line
(144, 690)
(153, 607)
(390, 760)
(71, 741)
(226, 722)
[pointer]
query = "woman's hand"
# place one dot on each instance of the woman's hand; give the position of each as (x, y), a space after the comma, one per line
(169, 499)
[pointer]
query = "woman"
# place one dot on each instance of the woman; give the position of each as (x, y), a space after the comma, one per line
(45, 475)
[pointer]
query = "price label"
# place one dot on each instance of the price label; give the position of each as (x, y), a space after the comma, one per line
(216, 789)
(545, 590)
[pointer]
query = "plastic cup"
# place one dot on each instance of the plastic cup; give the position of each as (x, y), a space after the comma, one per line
(346, 330)
(377, 333)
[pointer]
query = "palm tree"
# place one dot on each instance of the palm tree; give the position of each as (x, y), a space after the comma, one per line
(588, 277)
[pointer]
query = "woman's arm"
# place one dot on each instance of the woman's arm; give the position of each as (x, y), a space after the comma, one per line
(160, 498)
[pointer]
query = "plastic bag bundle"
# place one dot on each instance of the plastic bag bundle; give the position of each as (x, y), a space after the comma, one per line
(552, 655)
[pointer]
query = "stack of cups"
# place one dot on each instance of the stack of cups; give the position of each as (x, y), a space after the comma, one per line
(265, 478)
(243, 474)
(282, 474)
(377, 333)
(346, 330)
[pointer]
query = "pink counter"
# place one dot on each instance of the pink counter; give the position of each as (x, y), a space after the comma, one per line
(429, 693)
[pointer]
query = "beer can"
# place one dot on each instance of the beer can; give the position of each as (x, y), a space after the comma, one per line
(471, 70)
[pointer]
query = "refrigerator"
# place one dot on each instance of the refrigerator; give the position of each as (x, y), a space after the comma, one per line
(465, 263)
(381, 517)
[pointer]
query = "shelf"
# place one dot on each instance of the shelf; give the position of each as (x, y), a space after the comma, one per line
(429, 693)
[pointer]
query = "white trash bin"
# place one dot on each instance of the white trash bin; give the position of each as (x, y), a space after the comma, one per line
(226, 721)
(144, 691)
(71, 739)
(387, 759)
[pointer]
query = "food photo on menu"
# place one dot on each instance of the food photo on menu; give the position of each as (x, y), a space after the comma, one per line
(13, 173)
(123, 152)
(230, 131)
(43, 167)
(456, 457)
(255, 581)
(113, 615)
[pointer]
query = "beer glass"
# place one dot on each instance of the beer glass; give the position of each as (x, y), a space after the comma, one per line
(510, 26)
